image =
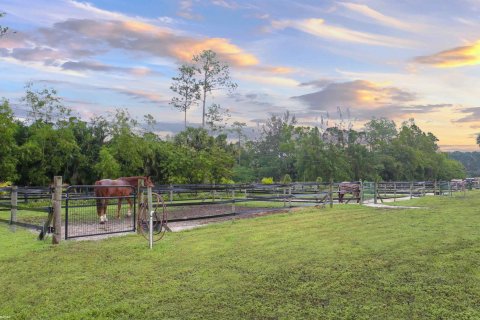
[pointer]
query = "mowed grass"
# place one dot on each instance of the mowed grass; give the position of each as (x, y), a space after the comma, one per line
(349, 262)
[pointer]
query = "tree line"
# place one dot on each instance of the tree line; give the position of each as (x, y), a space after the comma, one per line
(52, 141)
(471, 161)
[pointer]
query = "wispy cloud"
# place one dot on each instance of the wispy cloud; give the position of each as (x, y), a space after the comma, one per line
(456, 57)
(226, 4)
(473, 115)
(379, 17)
(319, 28)
(186, 10)
(98, 66)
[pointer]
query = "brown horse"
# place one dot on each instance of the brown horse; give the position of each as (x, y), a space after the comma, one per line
(112, 188)
(348, 187)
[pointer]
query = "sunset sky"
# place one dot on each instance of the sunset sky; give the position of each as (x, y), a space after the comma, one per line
(396, 59)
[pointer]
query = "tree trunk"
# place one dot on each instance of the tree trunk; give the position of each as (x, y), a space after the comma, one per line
(204, 98)
(239, 150)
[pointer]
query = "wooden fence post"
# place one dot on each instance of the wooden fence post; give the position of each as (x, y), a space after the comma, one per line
(361, 192)
(330, 193)
(284, 197)
(141, 184)
(289, 197)
(57, 210)
(394, 191)
(411, 190)
(170, 193)
(233, 200)
(14, 204)
(375, 192)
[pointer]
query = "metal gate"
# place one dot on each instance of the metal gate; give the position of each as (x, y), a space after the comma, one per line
(98, 210)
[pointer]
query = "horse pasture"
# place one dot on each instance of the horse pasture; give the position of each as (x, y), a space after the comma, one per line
(346, 262)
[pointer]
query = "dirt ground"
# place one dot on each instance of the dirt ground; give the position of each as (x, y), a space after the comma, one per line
(242, 213)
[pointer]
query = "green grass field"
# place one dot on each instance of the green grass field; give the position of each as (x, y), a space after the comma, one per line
(349, 262)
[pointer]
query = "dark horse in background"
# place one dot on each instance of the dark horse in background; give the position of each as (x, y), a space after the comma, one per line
(348, 187)
(112, 188)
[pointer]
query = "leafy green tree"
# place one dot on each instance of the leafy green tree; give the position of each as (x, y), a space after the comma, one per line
(310, 155)
(237, 128)
(206, 158)
(107, 166)
(380, 132)
(150, 122)
(217, 117)
(125, 145)
(8, 149)
(81, 167)
(45, 105)
(187, 88)
(471, 161)
(47, 152)
(243, 174)
(213, 75)
(48, 146)
(275, 150)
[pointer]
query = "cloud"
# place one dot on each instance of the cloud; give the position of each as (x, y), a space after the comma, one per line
(85, 38)
(357, 92)
(379, 17)
(456, 57)
(98, 66)
(473, 115)
(319, 28)
(270, 80)
(319, 83)
(186, 11)
(226, 4)
(234, 5)
(143, 96)
(364, 99)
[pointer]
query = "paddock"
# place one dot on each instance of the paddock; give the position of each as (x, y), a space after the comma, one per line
(188, 205)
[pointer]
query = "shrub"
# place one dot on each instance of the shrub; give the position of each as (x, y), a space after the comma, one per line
(226, 181)
(286, 179)
(267, 180)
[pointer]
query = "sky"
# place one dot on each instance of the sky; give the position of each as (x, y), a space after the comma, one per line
(394, 59)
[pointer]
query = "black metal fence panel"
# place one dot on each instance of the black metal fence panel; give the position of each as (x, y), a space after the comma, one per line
(98, 210)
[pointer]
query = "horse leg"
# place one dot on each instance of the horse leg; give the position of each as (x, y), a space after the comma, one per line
(129, 213)
(119, 207)
(340, 197)
(99, 209)
(102, 211)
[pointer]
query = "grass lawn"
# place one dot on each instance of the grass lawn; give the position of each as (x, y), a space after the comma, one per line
(349, 262)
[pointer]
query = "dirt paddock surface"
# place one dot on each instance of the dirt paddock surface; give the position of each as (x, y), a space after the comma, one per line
(202, 220)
